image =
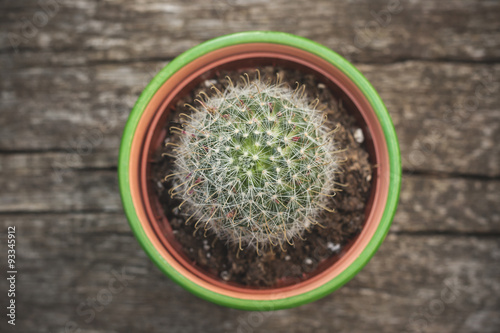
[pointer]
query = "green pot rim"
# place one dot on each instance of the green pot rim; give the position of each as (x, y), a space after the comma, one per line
(300, 43)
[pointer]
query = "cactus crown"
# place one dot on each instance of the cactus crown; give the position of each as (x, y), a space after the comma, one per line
(254, 163)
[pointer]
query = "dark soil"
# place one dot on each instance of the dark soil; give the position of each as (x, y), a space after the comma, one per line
(275, 267)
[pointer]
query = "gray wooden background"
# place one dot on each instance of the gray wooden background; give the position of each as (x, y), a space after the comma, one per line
(70, 73)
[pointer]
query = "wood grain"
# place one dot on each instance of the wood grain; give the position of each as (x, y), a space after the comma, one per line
(72, 70)
(88, 31)
(445, 114)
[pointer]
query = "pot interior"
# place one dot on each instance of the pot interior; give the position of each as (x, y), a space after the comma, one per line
(161, 224)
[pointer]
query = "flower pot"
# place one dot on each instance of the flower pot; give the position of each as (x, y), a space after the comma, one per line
(146, 130)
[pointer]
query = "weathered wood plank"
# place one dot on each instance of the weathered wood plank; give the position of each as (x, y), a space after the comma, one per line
(445, 114)
(79, 110)
(56, 163)
(43, 191)
(425, 283)
(427, 203)
(70, 32)
(448, 204)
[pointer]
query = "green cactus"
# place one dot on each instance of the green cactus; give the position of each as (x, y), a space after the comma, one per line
(255, 164)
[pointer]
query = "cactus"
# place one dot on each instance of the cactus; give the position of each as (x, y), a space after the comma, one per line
(255, 164)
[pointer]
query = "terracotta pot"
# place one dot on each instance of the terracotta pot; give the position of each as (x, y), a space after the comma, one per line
(146, 130)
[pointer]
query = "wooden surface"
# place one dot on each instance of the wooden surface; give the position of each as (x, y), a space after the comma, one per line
(66, 90)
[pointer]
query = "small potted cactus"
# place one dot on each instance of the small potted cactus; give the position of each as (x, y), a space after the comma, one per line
(227, 181)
